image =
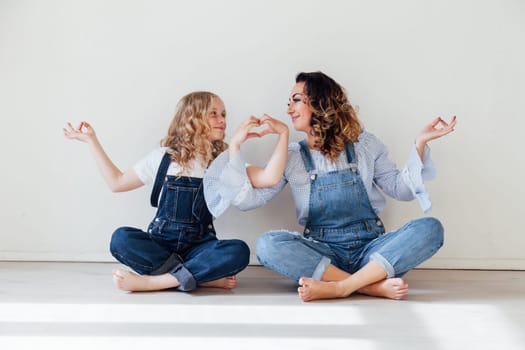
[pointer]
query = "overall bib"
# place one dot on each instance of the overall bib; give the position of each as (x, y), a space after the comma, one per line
(181, 239)
(343, 230)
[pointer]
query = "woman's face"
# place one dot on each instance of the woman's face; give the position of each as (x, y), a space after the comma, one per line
(298, 109)
(217, 120)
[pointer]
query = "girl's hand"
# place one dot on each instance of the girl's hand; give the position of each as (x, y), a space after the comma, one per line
(243, 132)
(84, 132)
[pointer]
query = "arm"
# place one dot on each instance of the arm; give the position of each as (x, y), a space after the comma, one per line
(226, 183)
(272, 173)
(116, 180)
(409, 183)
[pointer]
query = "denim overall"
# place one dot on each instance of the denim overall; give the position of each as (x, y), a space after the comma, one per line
(181, 239)
(343, 230)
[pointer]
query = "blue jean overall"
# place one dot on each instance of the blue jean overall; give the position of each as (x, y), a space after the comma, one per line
(181, 239)
(343, 230)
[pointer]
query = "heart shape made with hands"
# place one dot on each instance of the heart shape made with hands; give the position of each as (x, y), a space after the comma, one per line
(259, 127)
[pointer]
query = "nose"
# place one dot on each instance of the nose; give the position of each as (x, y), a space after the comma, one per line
(290, 109)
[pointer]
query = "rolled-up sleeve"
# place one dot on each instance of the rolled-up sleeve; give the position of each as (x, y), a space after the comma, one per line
(226, 183)
(408, 183)
(416, 172)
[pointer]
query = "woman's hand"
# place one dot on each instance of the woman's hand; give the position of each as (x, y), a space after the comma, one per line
(432, 131)
(84, 132)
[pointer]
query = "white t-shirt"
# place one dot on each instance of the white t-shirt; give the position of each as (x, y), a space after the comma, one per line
(146, 168)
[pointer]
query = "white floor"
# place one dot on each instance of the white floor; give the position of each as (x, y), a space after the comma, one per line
(75, 306)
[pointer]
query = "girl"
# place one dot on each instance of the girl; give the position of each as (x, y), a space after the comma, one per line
(180, 249)
(335, 175)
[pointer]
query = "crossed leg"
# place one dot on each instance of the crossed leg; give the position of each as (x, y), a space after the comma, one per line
(336, 283)
(132, 282)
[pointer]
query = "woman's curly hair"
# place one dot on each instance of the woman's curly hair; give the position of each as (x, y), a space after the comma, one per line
(334, 121)
(189, 130)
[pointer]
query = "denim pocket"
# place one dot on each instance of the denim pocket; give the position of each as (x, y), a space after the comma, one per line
(179, 203)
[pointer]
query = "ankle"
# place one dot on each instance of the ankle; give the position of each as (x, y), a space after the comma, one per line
(342, 289)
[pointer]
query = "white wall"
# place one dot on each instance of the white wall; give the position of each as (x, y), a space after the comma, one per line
(123, 65)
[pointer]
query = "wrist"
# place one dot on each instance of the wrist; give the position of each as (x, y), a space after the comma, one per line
(285, 132)
(234, 146)
(92, 141)
(420, 142)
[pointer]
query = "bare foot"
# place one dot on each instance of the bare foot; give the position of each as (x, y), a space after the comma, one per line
(226, 282)
(311, 289)
(392, 288)
(131, 282)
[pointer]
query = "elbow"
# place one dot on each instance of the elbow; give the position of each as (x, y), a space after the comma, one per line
(272, 182)
(246, 207)
(115, 188)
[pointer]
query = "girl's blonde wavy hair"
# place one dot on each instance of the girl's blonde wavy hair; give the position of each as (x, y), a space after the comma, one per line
(189, 130)
(334, 121)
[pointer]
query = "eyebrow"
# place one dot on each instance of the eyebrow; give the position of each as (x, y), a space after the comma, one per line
(297, 93)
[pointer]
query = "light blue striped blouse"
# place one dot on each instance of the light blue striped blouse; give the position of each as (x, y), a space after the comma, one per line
(226, 182)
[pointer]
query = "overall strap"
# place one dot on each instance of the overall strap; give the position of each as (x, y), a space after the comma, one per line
(307, 157)
(309, 163)
(350, 153)
(159, 179)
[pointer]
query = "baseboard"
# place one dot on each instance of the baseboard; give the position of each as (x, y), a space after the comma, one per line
(52, 256)
(474, 264)
(434, 263)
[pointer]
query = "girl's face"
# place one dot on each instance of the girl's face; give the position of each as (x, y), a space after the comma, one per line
(298, 109)
(217, 120)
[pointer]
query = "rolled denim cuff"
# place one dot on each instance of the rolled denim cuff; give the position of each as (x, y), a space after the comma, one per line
(175, 267)
(185, 278)
(168, 265)
(378, 258)
(321, 268)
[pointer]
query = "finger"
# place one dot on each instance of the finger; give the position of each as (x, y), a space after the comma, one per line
(254, 119)
(246, 123)
(252, 125)
(70, 126)
(443, 124)
(266, 132)
(435, 122)
(245, 127)
(252, 135)
(86, 125)
(265, 117)
(453, 122)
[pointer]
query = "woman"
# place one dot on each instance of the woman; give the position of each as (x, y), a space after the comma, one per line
(335, 176)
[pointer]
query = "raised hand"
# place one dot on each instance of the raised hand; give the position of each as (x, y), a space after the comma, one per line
(243, 132)
(84, 132)
(432, 131)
